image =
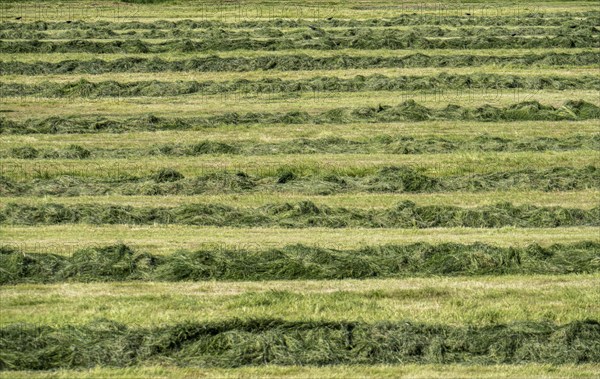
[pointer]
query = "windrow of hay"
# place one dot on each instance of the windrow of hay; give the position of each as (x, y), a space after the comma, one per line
(382, 39)
(303, 214)
(407, 111)
(234, 343)
(565, 19)
(295, 33)
(376, 82)
(294, 62)
(394, 179)
(298, 262)
(379, 144)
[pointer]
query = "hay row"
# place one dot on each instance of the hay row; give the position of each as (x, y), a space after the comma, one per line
(396, 179)
(407, 111)
(380, 144)
(293, 62)
(266, 86)
(303, 214)
(297, 33)
(298, 262)
(588, 18)
(387, 39)
(234, 343)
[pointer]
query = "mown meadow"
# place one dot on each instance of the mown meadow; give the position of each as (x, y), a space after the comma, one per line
(320, 189)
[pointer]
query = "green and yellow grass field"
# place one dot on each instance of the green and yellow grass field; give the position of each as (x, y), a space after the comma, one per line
(315, 189)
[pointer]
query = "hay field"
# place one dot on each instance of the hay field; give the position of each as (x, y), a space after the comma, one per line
(311, 189)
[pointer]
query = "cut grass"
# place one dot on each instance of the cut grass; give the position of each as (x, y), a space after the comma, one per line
(585, 199)
(161, 32)
(321, 165)
(282, 86)
(314, 332)
(382, 53)
(130, 75)
(235, 343)
(453, 301)
(398, 144)
(297, 262)
(362, 40)
(199, 111)
(303, 214)
(388, 39)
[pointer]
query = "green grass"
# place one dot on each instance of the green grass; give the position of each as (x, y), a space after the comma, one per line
(67, 239)
(454, 301)
(270, 10)
(281, 133)
(438, 165)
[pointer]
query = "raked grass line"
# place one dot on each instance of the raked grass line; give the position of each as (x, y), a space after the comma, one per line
(276, 39)
(158, 35)
(297, 262)
(388, 144)
(295, 180)
(303, 214)
(165, 239)
(398, 40)
(585, 199)
(286, 87)
(128, 77)
(528, 371)
(449, 19)
(162, 26)
(162, 32)
(298, 62)
(235, 343)
(312, 102)
(454, 301)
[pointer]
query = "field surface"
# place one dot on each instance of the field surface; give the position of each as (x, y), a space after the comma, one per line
(314, 189)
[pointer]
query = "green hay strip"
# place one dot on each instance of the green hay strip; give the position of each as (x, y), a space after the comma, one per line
(399, 179)
(303, 214)
(292, 63)
(298, 262)
(380, 144)
(564, 19)
(377, 82)
(234, 343)
(384, 39)
(295, 33)
(406, 111)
